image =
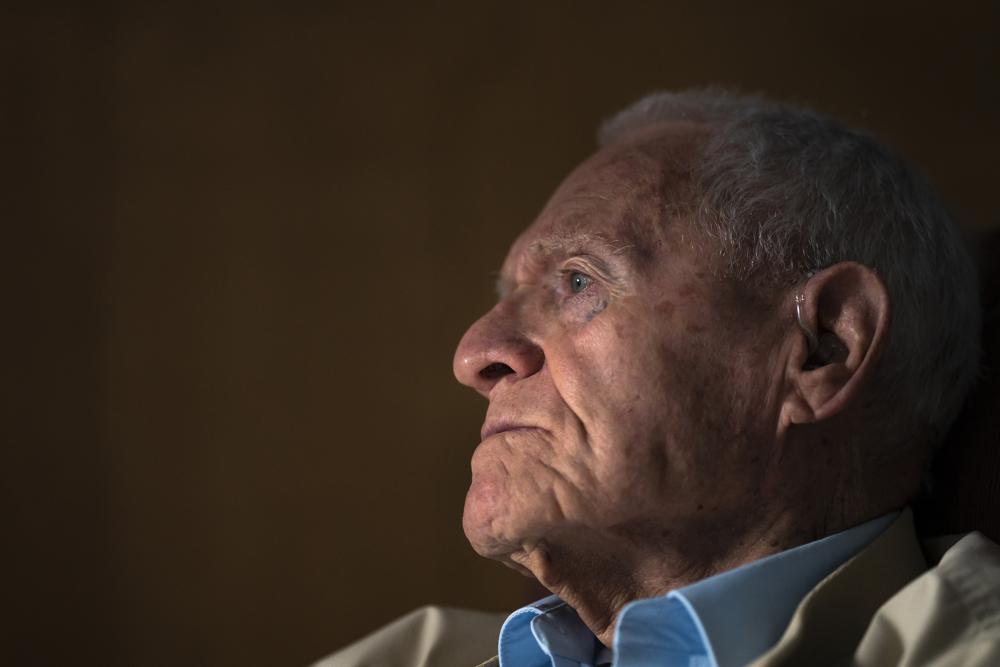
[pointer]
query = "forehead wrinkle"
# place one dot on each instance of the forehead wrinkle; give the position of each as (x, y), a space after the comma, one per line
(630, 233)
(642, 188)
(643, 223)
(565, 243)
(633, 213)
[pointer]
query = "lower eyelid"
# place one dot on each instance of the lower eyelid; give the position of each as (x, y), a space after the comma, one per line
(586, 297)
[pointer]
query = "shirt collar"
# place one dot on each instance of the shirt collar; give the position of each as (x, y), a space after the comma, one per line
(741, 613)
(724, 620)
(547, 632)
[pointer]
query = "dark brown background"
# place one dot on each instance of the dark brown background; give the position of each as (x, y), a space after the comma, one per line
(241, 242)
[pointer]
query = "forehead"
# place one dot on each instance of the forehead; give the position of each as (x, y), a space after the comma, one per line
(622, 200)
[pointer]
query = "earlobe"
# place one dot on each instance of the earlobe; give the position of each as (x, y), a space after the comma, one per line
(842, 315)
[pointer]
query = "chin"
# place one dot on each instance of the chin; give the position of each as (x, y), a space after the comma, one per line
(481, 518)
(501, 515)
(486, 504)
(496, 529)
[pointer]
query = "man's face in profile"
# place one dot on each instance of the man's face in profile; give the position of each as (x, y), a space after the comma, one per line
(617, 366)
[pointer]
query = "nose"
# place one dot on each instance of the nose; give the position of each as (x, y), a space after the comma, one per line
(493, 349)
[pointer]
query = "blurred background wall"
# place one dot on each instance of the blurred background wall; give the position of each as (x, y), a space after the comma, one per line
(242, 240)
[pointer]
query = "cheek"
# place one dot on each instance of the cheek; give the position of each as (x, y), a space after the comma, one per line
(656, 404)
(714, 424)
(619, 364)
(611, 379)
(599, 360)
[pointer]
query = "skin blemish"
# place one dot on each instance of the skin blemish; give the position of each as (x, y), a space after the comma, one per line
(666, 307)
(695, 329)
(687, 289)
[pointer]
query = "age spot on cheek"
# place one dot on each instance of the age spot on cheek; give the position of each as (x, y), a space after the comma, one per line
(666, 308)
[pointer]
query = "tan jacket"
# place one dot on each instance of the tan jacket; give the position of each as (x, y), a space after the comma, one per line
(882, 607)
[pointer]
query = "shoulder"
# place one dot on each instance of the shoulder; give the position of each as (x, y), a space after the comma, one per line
(885, 607)
(439, 636)
(949, 615)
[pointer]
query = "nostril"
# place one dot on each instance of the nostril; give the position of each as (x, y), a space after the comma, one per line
(495, 371)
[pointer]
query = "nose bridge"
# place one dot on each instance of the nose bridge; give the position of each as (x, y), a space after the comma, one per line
(497, 345)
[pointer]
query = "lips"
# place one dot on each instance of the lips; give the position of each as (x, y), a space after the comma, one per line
(493, 427)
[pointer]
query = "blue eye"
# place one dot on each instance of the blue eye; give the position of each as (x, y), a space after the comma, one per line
(579, 281)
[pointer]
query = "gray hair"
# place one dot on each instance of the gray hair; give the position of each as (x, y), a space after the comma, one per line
(783, 191)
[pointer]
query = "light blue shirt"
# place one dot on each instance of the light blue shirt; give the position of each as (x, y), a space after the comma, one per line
(723, 621)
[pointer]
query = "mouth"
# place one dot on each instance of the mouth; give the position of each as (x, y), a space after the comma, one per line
(492, 428)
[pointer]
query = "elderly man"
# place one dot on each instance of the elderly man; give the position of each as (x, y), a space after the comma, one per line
(720, 360)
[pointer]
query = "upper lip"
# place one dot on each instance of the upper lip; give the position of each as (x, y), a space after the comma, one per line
(492, 427)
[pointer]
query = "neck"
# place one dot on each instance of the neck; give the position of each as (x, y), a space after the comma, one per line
(599, 570)
(597, 573)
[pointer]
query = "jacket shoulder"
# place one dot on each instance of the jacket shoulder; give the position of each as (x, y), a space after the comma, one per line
(950, 615)
(439, 636)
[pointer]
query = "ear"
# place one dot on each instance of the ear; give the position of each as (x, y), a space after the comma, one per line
(847, 307)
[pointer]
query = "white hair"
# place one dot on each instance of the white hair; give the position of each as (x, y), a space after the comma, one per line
(784, 191)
